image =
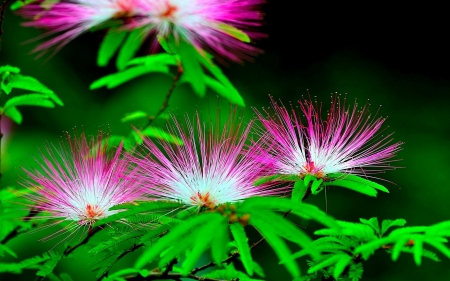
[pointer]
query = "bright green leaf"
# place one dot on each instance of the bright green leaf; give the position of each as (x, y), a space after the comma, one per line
(8, 68)
(14, 114)
(373, 222)
(233, 32)
(277, 177)
(133, 116)
(29, 99)
(218, 245)
(173, 237)
(340, 266)
(113, 38)
(31, 84)
(157, 133)
(299, 191)
(192, 70)
(156, 59)
(242, 244)
(386, 224)
(231, 96)
(129, 48)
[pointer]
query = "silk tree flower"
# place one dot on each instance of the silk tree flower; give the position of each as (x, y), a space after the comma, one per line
(210, 24)
(72, 18)
(347, 140)
(79, 181)
(219, 169)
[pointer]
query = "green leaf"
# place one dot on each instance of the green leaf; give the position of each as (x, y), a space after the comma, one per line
(173, 237)
(117, 79)
(242, 244)
(398, 247)
(5, 88)
(156, 59)
(331, 260)
(133, 116)
(31, 84)
(129, 48)
(278, 177)
(233, 32)
(299, 191)
(111, 42)
(278, 245)
(65, 277)
(29, 99)
(192, 70)
(218, 245)
(157, 133)
(115, 240)
(8, 68)
(49, 265)
(5, 249)
(14, 114)
(203, 240)
(284, 228)
(284, 204)
(386, 224)
(439, 246)
(218, 74)
(258, 269)
(225, 92)
(356, 183)
(418, 250)
(372, 222)
(135, 208)
(340, 266)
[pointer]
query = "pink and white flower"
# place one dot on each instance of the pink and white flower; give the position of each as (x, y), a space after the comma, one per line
(219, 169)
(206, 23)
(348, 140)
(80, 181)
(69, 19)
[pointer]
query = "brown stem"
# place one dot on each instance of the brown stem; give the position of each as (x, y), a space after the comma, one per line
(2, 17)
(165, 104)
(91, 233)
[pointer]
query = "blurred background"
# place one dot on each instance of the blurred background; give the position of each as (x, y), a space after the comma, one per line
(397, 58)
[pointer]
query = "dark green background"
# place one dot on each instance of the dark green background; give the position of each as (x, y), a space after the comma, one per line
(396, 58)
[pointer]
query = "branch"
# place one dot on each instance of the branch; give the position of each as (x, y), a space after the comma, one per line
(155, 275)
(16, 230)
(124, 253)
(165, 104)
(91, 233)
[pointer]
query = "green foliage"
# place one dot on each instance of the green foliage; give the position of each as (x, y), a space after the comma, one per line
(40, 95)
(242, 244)
(345, 249)
(233, 31)
(44, 264)
(138, 208)
(276, 178)
(195, 233)
(110, 44)
(192, 70)
(5, 249)
(275, 228)
(129, 48)
(229, 273)
(354, 183)
(155, 132)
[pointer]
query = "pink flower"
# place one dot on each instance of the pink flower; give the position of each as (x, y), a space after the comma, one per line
(73, 18)
(216, 170)
(348, 140)
(80, 181)
(210, 24)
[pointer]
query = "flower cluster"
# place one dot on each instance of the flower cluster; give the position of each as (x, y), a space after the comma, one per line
(210, 24)
(217, 163)
(348, 140)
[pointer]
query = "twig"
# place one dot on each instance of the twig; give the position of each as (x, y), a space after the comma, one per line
(124, 253)
(91, 233)
(165, 104)
(16, 230)
(154, 275)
